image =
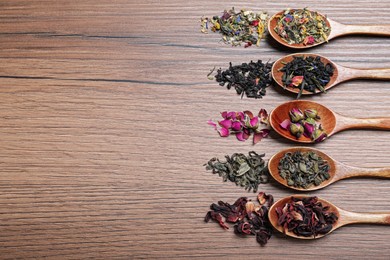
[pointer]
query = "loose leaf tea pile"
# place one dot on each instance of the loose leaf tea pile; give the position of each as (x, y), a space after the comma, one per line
(243, 124)
(302, 26)
(246, 171)
(250, 79)
(238, 27)
(306, 217)
(303, 169)
(248, 218)
(307, 73)
(306, 124)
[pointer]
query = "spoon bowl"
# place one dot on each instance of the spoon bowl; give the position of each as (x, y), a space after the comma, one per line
(280, 113)
(337, 170)
(331, 122)
(279, 64)
(337, 29)
(340, 73)
(273, 21)
(273, 164)
(344, 217)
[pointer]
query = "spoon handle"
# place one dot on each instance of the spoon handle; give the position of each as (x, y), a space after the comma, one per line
(347, 217)
(350, 73)
(383, 30)
(380, 123)
(350, 171)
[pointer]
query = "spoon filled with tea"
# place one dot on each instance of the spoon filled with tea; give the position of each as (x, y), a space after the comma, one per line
(307, 74)
(302, 28)
(310, 122)
(306, 217)
(308, 169)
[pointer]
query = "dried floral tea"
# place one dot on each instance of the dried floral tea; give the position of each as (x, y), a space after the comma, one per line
(296, 26)
(304, 123)
(307, 73)
(238, 27)
(303, 169)
(248, 218)
(243, 124)
(250, 79)
(306, 217)
(246, 171)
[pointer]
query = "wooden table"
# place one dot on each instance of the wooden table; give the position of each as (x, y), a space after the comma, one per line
(103, 131)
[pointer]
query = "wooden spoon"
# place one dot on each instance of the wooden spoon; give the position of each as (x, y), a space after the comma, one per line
(340, 73)
(337, 29)
(337, 169)
(331, 122)
(344, 217)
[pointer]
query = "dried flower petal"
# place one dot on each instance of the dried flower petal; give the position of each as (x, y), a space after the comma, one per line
(227, 123)
(263, 115)
(212, 124)
(260, 135)
(285, 124)
(223, 132)
(242, 136)
(236, 126)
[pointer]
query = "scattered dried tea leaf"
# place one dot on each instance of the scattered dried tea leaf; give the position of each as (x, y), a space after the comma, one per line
(247, 171)
(250, 79)
(236, 28)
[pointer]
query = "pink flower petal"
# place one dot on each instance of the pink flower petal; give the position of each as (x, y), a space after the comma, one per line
(309, 128)
(254, 122)
(240, 116)
(263, 115)
(236, 126)
(223, 132)
(231, 115)
(224, 114)
(260, 135)
(212, 124)
(296, 81)
(257, 138)
(285, 124)
(248, 113)
(227, 123)
(242, 136)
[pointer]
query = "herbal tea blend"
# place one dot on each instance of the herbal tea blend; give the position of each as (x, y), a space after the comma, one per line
(238, 27)
(303, 169)
(307, 73)
(304, 123)
(297, 26)
(243, 124)
(248, 218)
(306, 217)
(246, 171)
(250, 78)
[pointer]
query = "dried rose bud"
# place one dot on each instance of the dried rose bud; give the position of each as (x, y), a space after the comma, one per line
(296, 115)
(319, 135)
(311, 113)
(296, 129)
(309, 125)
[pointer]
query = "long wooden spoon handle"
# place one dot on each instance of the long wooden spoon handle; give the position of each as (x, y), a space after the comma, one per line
(380, 123)
(346, 171)
(371, 73)
(347, 217)
(367, 29)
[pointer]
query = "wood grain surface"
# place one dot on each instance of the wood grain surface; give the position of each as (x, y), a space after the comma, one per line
(103, 132)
